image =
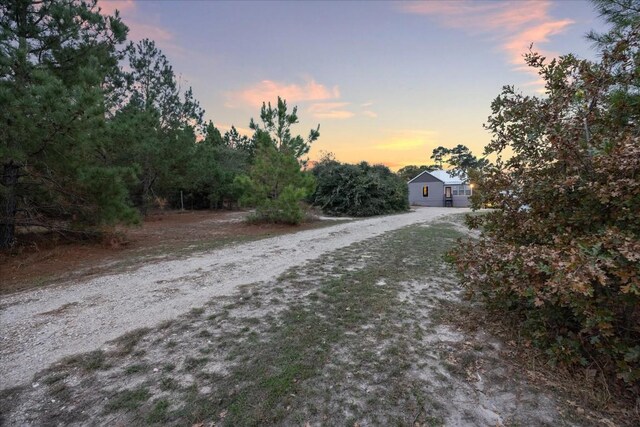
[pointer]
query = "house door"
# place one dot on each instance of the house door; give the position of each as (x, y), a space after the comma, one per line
(448, 200)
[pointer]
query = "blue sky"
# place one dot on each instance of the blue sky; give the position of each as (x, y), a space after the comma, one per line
(386, 81)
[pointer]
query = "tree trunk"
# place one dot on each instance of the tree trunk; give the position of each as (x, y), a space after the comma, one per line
(8, 207)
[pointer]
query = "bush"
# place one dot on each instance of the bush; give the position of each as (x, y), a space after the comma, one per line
(358, 190)
(561, 252)
(285, 209)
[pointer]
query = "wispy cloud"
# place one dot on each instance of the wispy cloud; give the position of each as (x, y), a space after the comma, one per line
(137, 28)
(400, 144)
(367, 111)
(406, 139)
(109, 7)
(515, 25)
(538, 34)
(141, 28)
(269, 90)
(331, 110)
(139, 31)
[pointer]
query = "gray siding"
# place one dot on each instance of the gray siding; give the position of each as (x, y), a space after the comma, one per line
(461, 201)
(436, 192)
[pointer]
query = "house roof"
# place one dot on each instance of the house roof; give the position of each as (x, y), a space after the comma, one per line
(443, 176)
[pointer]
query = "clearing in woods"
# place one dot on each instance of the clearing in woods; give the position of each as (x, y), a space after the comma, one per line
(42, 260)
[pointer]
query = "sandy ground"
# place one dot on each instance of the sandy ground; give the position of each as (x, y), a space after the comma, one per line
(40, 259)
(42, 326)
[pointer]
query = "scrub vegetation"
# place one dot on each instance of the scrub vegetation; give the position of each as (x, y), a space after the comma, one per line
(561, 253)
(357, 190)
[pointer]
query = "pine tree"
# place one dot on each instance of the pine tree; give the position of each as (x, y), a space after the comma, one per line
(155, 125)
(276, 185)
(55, 59)
(276, 125)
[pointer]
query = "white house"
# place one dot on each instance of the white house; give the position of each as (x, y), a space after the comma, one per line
(439, 188)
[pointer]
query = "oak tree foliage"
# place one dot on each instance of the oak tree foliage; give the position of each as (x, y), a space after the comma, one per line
(561, 251)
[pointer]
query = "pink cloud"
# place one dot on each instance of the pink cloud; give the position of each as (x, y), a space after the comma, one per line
(109, 7)
(515, 24)
(519, 43)
(484, 16)
(330, 110)
(138, 29)
(269, 90)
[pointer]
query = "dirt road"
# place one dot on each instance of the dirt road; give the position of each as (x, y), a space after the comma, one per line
(42, 326)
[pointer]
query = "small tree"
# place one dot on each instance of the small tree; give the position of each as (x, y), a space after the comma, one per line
(276, 186)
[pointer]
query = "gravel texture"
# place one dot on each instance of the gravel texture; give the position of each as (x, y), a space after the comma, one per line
(41, 326)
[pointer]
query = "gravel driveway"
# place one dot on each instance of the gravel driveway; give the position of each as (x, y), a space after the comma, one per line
(41, 326)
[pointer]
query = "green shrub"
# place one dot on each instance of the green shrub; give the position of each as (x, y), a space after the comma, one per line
(276, 186)
(286, 208)
(358, 190)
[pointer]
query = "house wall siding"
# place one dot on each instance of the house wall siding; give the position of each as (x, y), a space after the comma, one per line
(461, 201)
(436, 192)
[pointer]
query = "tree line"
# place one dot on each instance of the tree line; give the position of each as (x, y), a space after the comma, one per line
(459, 159)
(96, 131)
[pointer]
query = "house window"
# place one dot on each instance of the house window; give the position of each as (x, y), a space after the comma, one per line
(468, 191)
(425, 191)
(455, 190)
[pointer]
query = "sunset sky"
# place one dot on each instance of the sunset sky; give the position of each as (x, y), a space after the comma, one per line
(386, 81)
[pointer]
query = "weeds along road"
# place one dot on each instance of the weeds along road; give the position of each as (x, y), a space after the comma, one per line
(41, 326)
